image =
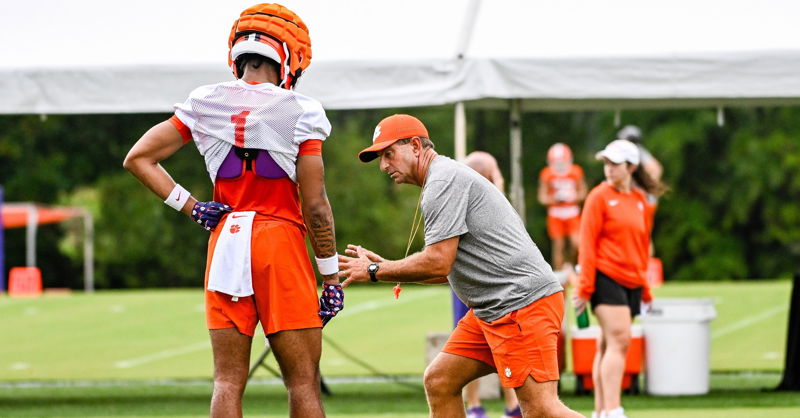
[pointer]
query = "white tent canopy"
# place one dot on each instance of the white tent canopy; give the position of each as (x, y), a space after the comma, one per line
(89, 56)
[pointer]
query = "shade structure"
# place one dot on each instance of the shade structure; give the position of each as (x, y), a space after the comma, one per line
(566, 55)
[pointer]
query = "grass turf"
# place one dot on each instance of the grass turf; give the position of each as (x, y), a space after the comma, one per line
(152, 334)
(102, 355)
(734, 395)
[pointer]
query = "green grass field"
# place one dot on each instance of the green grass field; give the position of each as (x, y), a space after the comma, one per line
(732, 396)
(149, 353)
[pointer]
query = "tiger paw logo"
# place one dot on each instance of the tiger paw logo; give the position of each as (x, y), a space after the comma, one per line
(235, 229)
(377, 133)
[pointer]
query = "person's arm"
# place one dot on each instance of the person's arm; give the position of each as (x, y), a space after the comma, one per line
(591, 225)
(653, 168)
(431, 265)
(649, 214)
(543, 194)
(582, 188)
(317, 209)
(438, 280)
(143, 159)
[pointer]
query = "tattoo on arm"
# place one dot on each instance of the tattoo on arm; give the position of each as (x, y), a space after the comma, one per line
(323, 238)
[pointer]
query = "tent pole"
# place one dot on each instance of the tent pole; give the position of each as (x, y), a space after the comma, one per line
(30, 236)
(88, 252)
(467, 28)
(517, 191)
(460, 132)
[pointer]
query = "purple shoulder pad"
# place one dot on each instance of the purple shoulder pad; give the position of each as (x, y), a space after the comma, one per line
(267, 167)
(231, 166)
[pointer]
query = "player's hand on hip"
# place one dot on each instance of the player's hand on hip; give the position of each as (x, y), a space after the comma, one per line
(208, 214)
(331, 302)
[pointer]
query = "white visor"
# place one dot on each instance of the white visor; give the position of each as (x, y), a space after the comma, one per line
(252, 46)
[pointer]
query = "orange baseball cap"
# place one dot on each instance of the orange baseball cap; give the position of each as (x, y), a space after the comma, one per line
(389, 131)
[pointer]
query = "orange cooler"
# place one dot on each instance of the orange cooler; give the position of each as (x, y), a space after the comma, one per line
(584, 346)
(24, 282)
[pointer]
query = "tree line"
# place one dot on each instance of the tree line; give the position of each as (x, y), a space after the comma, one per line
(732, 212)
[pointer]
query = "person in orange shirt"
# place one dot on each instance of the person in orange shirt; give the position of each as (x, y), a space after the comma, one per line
(562, 189)
(262, 146)
(613, 253)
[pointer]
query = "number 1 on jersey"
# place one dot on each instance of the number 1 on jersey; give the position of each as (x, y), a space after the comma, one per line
(239, 120)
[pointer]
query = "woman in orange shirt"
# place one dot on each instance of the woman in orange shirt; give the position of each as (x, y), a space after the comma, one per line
(613, 253)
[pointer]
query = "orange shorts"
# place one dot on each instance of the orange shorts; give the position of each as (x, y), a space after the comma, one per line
(520, 344)
(560, 228)
(285, 288)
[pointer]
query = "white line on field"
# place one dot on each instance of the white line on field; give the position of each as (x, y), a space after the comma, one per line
(750, 320)
(389, 302)
(160, 355)
(36, 384)
(191, 348)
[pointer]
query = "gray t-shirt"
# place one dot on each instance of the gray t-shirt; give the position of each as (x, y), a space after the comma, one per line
(498, 268)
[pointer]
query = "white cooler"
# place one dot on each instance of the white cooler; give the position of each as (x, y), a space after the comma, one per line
(677, 346)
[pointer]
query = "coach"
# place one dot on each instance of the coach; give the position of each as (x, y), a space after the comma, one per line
(515, 302)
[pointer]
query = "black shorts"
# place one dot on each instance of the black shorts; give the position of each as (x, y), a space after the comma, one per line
(609, 292)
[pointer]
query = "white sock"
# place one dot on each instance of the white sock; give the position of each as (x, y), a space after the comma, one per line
(616, 413)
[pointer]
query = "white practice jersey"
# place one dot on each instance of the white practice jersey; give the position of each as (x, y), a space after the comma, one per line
(261, 116)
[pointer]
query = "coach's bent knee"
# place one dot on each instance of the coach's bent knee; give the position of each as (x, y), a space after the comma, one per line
(439, 383)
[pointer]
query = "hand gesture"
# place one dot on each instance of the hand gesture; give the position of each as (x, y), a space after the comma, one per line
(354, 267)
(208, 214)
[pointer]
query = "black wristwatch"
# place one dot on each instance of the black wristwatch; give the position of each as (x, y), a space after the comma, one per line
(372, 269)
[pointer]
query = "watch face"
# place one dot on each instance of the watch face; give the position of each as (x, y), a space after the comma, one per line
(372, 268)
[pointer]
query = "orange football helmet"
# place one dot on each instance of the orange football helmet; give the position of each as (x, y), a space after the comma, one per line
(285, 32)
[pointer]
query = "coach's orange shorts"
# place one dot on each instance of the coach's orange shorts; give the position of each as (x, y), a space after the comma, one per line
(284, 285)
(560, 228)
(520, 344)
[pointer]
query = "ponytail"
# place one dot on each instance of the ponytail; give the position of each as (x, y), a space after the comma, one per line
(644, 181)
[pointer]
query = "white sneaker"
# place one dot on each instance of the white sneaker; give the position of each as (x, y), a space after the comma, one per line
(616, 413)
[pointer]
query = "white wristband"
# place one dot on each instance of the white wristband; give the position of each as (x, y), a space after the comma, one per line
(328, 265)
(177, 198)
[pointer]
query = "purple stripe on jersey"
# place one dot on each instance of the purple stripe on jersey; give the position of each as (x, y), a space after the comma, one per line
(267, 167)
(231, 166)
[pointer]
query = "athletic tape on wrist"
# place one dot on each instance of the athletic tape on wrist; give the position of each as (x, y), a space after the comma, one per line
(328, 265)
(177, 197)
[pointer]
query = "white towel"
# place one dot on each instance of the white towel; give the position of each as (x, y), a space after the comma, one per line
(230, 271)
